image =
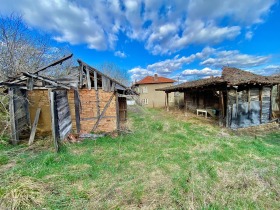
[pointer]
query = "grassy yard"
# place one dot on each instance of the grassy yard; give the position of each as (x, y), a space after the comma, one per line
(166, 162)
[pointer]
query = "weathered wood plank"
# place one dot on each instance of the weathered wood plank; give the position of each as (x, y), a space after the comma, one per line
(56, 84)
(88, 79)
(81, 76)
(64, 114)
(54, 121)
(14, 133)
(59, 61)
(95, 80)
(30, 83)
(34, 127)
(113, 87)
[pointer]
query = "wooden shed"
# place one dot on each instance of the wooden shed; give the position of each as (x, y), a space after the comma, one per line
(83, 102)
(237, 98)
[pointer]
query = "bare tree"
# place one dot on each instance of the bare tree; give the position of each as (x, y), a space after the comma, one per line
(115, 72)
(21, 49)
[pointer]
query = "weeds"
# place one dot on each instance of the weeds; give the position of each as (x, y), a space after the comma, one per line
(166, 162)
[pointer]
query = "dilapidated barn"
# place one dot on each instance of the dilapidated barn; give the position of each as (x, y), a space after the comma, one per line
(238, 98)
(82, 102)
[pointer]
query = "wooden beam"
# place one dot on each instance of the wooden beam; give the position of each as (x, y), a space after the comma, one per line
(100, 73)
(113, 87)
(88, 79)
(77, 110)
(59, 61)
(56, 84)
(14, 133)
(34, 126)
(95, 80)
(81, 75)
(103, 112)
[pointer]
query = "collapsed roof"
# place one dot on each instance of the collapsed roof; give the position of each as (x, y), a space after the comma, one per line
(82, 76)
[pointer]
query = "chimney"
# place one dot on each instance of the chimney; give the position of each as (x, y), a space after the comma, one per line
(156, 77)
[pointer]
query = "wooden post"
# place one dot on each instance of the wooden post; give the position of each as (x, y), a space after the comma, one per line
(95, 80)
(186, 103)
(260, 99)
(88, 79)
(54, 121)
(81, 75)
(30, 83)
(167, 102)
(77, 110)
(97, 103)
(236, 92)
(117, 112)
(14, 133)
(249, 101)
(222, 104)
(270, 107)
(34, 127)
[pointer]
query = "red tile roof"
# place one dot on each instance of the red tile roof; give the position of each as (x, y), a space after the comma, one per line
(154, 80)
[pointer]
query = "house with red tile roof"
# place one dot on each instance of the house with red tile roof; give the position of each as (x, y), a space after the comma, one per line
(147, 94)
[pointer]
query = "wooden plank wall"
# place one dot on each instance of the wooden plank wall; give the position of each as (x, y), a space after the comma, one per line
(266, 105)
(63, 112)
(248, 107)
(201, 100)
(20, 115)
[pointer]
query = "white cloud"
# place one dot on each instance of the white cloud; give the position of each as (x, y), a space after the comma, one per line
(249, 35)
(170, 65)
(120, 54)
(203, 72)
(164, 26)
(267, 70)
(209, 57)
(234, 58)
(139, 73)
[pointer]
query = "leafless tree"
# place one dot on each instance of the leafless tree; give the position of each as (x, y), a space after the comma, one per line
(21, 49)
(115, 72)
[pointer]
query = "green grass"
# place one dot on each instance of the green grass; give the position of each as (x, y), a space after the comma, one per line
(165, 163)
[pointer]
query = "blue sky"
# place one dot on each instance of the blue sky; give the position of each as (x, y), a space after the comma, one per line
(185, 39)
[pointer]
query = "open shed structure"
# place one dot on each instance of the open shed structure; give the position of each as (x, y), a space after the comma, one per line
(82, 102)
(238, 98)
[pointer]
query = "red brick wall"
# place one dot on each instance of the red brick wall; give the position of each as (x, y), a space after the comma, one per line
(88, 114)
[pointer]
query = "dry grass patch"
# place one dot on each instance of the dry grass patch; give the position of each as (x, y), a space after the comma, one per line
(23, 193)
